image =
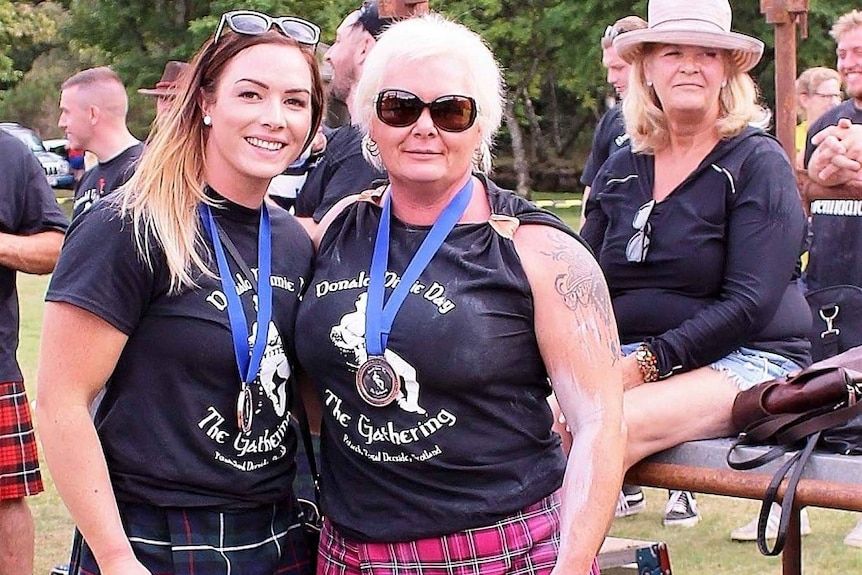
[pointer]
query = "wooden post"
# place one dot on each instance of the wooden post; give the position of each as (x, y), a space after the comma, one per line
(402, 8)
(785, 15)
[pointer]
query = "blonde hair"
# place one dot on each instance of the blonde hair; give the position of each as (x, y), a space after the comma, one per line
(810, 79)
(647, 124)
(846, 23)
(165, 191)
(433, 36)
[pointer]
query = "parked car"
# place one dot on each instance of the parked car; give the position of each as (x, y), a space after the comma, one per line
(58, 146)
(56, 168)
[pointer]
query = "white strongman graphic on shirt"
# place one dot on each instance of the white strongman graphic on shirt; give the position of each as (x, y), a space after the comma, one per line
(274, 369)
(349, 336)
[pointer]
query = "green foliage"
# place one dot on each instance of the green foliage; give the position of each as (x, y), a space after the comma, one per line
(550, 50)
(26, 29)
(33, 101)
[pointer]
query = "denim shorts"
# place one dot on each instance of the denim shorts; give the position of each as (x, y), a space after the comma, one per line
(746, 367)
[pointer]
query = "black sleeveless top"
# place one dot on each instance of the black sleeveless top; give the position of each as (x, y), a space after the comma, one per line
(469, 440)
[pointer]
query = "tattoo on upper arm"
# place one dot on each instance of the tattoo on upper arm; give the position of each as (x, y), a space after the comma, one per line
(582, 288)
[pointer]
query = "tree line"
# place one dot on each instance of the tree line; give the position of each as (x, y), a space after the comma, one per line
(550, 51)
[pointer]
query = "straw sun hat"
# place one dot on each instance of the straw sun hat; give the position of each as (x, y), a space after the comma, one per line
(692, 23)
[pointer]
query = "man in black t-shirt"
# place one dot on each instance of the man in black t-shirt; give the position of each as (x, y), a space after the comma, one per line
(93, 108)
(31, 233)
(342, 170)
(610, 134)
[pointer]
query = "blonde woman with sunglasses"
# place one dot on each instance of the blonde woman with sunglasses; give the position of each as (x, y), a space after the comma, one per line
(185, 316)
(442, 313)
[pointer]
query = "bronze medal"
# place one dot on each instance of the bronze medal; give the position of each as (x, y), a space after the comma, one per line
(244, 409)
(376, 382)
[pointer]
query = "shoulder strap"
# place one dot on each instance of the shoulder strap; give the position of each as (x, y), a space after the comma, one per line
(305, 432)
(792, 469)
(235, 255)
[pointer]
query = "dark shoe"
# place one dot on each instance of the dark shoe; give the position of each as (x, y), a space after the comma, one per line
(681, 510)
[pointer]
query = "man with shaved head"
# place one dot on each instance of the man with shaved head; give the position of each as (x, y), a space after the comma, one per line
(93, 108)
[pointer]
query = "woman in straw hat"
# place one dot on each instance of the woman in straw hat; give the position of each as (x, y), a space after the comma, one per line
(698, 228)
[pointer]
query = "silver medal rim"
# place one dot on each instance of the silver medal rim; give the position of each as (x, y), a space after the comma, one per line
(244, 409)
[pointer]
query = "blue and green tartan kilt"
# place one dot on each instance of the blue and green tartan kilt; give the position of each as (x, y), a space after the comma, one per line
(265, 540)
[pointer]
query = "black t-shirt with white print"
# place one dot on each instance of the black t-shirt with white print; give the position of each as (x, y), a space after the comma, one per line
(836, 223)
(469, 441)
(105, 177)
(610, 136)
(168, 423)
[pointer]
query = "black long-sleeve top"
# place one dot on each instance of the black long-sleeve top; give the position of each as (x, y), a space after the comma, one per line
(720, 270)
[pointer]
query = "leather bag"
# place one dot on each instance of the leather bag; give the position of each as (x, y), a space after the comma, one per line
(820, 406)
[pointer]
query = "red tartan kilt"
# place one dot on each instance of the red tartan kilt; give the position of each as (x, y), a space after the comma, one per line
(19, 457)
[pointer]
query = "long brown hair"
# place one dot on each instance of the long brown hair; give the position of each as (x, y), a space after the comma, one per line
(164, 193)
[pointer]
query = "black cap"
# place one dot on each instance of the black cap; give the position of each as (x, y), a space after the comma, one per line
(369, 17)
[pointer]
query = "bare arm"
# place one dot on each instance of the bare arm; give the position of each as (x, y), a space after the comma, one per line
(33, 254)
(70, 376)
(577, 336)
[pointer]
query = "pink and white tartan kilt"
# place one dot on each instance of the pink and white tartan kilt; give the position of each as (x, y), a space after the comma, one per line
(528, 542)
(19, 458)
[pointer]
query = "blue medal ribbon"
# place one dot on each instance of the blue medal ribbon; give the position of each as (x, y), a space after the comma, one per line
(379, 318)
(247, 360)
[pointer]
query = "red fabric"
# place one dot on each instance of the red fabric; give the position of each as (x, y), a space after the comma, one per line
(525, 543)
(19, 458)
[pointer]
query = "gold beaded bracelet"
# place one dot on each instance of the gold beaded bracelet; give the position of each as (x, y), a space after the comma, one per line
(647, 363)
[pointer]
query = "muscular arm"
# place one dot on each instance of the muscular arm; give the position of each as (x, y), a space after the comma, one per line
(33, 254)
(577, 336)
(70, 376)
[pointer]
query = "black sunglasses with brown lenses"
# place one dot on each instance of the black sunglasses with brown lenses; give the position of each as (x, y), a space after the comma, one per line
(400, 108)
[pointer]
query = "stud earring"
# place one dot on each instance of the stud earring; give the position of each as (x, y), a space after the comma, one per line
(207, 120)
(649, 83)
(724, 83)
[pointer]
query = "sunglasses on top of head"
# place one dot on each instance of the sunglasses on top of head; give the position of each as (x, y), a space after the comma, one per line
(253, 23)
(451, 113)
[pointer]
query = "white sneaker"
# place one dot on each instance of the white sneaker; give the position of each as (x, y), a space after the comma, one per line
(748, 532)
(854, 538)
(681, 510)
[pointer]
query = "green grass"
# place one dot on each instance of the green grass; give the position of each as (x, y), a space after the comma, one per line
(705, 548)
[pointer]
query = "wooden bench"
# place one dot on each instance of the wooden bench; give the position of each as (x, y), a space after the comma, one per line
(832, 481)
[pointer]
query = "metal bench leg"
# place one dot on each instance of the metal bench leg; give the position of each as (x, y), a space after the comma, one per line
(791, 557)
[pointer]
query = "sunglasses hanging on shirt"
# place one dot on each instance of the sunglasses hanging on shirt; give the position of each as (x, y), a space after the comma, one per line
(638, 246)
